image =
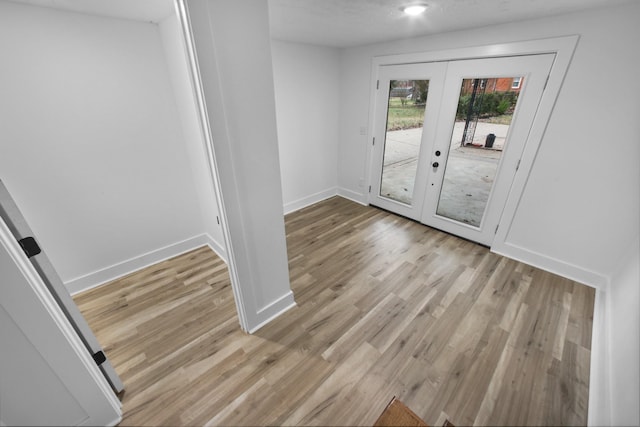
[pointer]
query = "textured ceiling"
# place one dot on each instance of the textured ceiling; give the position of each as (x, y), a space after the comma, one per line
(345, 23)
(136, 10)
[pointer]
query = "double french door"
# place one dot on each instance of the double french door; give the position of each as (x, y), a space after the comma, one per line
(449, 137)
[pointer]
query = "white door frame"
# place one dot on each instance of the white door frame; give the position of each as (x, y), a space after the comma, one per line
(185, 25)
(29, 306)
(535, 70)
(562, 47)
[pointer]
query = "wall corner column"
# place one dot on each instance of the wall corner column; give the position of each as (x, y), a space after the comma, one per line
(230, 51)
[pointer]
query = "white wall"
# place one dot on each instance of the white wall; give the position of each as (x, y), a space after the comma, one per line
(91, 145)
(624, 335)
(191, 130)
(307, 91)
(580, 204)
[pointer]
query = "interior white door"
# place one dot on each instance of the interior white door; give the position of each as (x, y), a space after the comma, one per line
(22, 232)
(46, 376)
(472, 163)
(399, 172)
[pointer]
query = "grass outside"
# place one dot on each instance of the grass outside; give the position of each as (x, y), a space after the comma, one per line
(504, 119)
(405, 114)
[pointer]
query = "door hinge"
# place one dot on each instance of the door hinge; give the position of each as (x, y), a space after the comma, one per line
(99, 358)
(369, 189)
(545, 83)
(518, 165)
(497, 226)
(30, 246)
(377, 84)
(374, 141)
(218, 219)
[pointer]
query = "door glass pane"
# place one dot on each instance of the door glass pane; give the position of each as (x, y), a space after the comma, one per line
(405, 117)
(485, 110)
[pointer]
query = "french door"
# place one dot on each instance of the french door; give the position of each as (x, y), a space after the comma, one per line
(401, 134)
(449, 136)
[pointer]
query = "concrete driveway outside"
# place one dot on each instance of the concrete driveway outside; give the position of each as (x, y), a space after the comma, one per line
(469, 172)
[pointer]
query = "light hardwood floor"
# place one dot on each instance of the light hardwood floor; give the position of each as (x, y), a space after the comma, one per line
(386, 307)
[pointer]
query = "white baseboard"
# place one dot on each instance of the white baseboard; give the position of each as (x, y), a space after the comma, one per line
(552, 265)
(599, 412)
(309, 200)
(217, 248)
(353, 196)
(272, 310)
(107, 274)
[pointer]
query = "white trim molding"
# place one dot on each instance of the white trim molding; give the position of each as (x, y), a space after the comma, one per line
(272, 310)
(553, 265)
(303, 202)
(599, 413)
(353, 196)
(217, 248)
(115, 271)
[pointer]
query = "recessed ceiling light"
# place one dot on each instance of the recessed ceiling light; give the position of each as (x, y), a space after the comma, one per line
(415, 9)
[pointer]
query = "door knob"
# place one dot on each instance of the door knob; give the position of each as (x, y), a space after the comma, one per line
(435, 164)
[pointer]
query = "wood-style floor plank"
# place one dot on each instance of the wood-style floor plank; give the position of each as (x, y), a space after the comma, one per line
(385, 307)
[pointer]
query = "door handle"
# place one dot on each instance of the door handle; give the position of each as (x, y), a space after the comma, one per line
(435, 164)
